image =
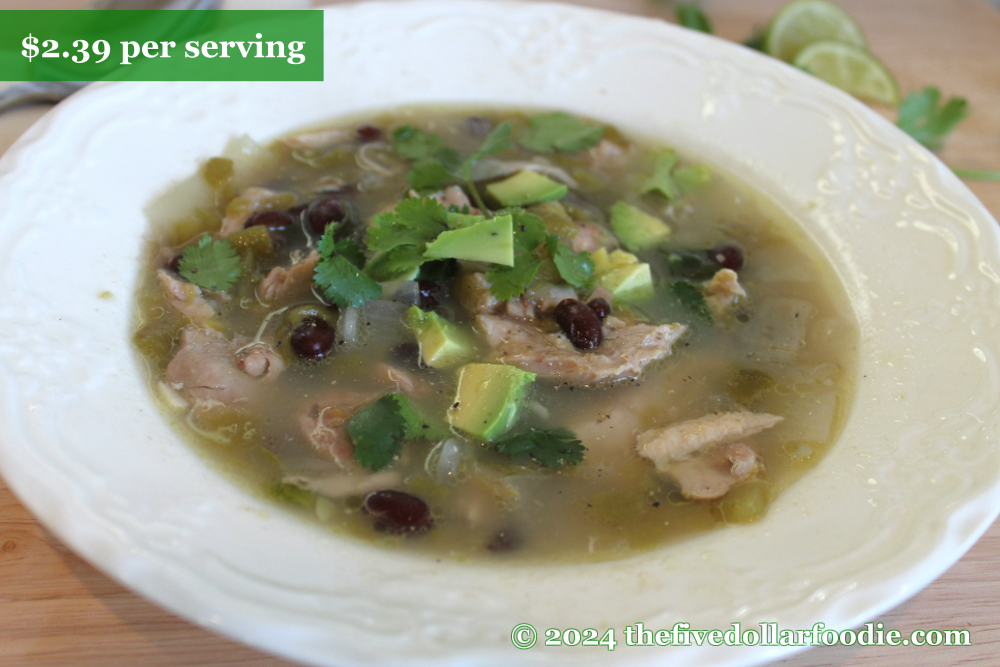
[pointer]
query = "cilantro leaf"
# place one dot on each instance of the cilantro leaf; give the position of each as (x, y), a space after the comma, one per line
(415, 144)
(672, 181)
(661, 180)
(436, 163)
(350, 251)
(529, 232)
(343, 283)
(338, 272)
(921, 118)
(376, 431)
(212, 265)
(414, 222)
(395, 264)
(561, 131)
(692, 299)
(427, 175)
(550, 448)
(418, 427)
(510, 282)
(327, 245)
(576, 268)
(690, 16)
(529, 229)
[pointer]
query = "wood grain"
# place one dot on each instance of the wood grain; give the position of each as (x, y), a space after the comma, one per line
(55, 609)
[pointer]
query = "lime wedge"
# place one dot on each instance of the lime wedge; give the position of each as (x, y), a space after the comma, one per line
(852, 69)
(804, 22)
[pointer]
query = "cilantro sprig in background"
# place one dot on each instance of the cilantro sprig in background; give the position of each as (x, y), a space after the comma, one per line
(921, 114)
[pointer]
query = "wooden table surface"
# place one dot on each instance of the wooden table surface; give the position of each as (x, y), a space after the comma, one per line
(55, 609)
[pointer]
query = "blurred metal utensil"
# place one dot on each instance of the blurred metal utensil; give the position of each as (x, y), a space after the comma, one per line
(36, 92)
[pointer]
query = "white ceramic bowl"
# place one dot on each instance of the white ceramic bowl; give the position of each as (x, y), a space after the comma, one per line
(911, 484)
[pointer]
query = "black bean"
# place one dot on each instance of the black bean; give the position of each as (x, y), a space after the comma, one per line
(324, 211)
(580, 324)
(368, 133)
(727, 256)
(398, 512)
(271, 220)
(313, 338)
(600, 307)
(427, 290)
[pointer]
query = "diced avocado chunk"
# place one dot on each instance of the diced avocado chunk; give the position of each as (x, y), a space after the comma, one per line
(442, 344)
(458, 220)
(526, 187)
(622, 274)
(489, 399)
(486, 241)
(635, 228)
(629, 284)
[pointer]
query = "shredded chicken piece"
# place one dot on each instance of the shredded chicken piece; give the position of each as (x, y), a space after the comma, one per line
(607, 155)
(186, 298)
(711, 476)
(723, 291)
(260, 361)
(591, 237)
(683, 440)
(255, 197)
(407, 383)
(204, 369)
(452, 195)
(623, 354)
(324, 423)
(281, 281)
(702, 455)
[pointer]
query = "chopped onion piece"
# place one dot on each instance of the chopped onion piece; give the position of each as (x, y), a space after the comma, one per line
(403, 291)
(449, 460)
(349, 324)
(382, 314)
(539, 409)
